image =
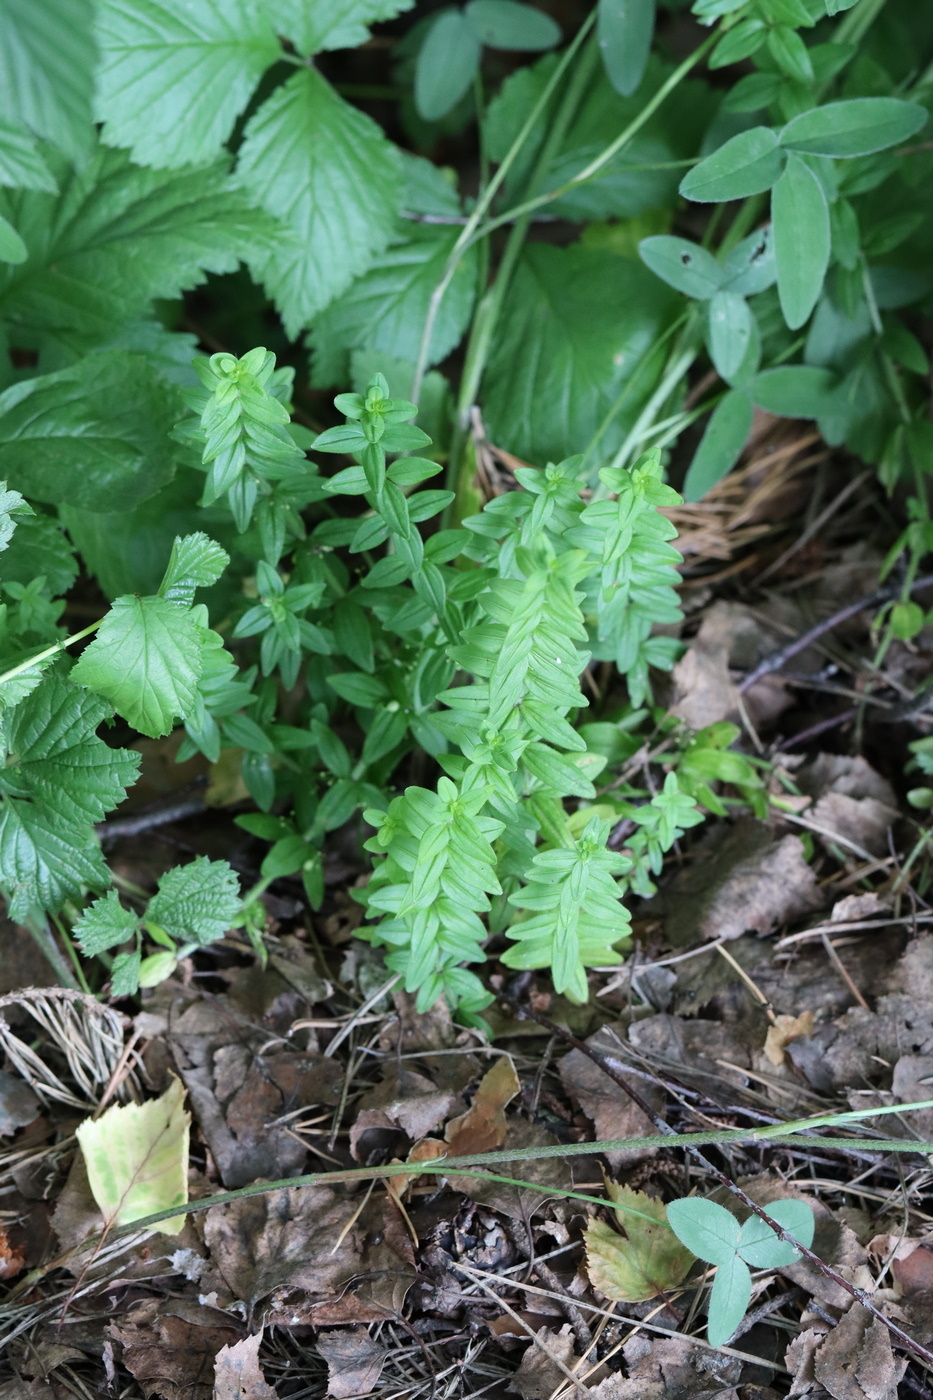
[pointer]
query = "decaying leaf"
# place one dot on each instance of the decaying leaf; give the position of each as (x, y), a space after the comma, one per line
(856, 1362)
(782, 1031)
(237, 1373)
(482, 1128)
(354, 1361)
(137, 1159)
(641, 1259)
(539, 1374)
(169, 1345)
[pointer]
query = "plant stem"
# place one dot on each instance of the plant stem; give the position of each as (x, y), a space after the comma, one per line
(72, 953)
(49, 652)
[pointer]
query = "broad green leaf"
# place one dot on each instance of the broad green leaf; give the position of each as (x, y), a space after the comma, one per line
(117, 236)
(506, 24)
(728, 1300)
(683, 265)
(575, 331)
(749, 268)
(136, 1156)
(800, 219)
(196, 902)
(721, 444)
(329, 174)
(39, 547)
(47, 59)
(196, 561)
(21, 165)
(643, 1261)
(12, 247)
(11, 503)
(384, 311)
(708, 1229)
(104, 924)
(146, 660)
(854, 128)
(312, 25)
(54, 757)
(749, 163)
(794, 391)
(730, 332)
(625, 29)
(448, 61)
(93, 436)
(44, 859)
(760, 1247)
(174, 78)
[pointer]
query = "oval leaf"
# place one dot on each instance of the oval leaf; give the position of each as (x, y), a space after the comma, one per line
(800, 217)
(730, 332)
(137, 1159)
(707, 1229)
(854, 128)
(505, 24)
(721, 445)
(729, 1299)
(447, 64)
(750, 268)
(794, 391)
(682, 265)
(760, 1247)
(625, 29)
(749, 163)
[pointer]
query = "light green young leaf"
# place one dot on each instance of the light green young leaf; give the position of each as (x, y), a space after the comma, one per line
(146, 660)
(329, 174)
(507, 24)
(730, 332)
(196, 902)
(94, 435)
(104, 924)
(760, 1247)
(448, 61)
(709, 1230)
(800, 217)
(11, 503)
(12, 247)
(683, 265)
(312, 25)
(854, 128)
(749, 163)
(729, 1299)
(196, 561)
(21, 165)
(625, 30)
(173, 78)
(136, 1156)
(47, 62)
(721, 445)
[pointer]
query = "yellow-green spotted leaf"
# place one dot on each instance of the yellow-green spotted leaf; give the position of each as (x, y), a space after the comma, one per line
(646, 1260)
(137, 1159)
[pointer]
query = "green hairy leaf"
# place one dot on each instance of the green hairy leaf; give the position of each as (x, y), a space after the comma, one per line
(312, 25)
(11, 503)
(854, 128)
(196, 902)
(747, 164)
(104, 924)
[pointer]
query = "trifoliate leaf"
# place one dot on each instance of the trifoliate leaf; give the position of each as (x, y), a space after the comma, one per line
(11, 503)
(118, 235)
(729, 1299)
(54, 757)
(760, 1247)
(44, 859)
(197, 561)
(643, 1261)
(21, 165)
(104, 924)
(174, 78)
(93, 436)
(329, 174)
(708, 1229)
(146, 660)
(312, 25)
(196, 902)
(137, 1159)
(47, 62)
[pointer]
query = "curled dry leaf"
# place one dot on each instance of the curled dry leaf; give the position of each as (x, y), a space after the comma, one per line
(354, 1361)
(645, 1259)
(237, 1373)
(782, 1031)
(482, 1128)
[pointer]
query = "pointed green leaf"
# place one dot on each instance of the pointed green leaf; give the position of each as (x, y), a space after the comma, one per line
(173, 78)
(721, 445)
(11, 503)
(104, 924)
(625, 29)
(708, 1229)
(146, 660)
(196, 902)
(45, 859)
(683, 265)
(448, 61)
(854, 128)
(136, 1156)
(196, 561)
(47, 60)
(12, 247)
(21, 165)
(730, 332)
(760, 1247)
(749, 163)
(312, 25)
(729, 1299)
(800, 217)
(506, 24)
(329, 174)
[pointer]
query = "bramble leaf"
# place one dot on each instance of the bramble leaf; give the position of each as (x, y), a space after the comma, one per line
(196, 561)
(644, 1260)
(11, 503)
(136, 1156)
(44, 859)
(104, 924)
(196, 902)
(21, 164)
(312, 25)
(47, 62)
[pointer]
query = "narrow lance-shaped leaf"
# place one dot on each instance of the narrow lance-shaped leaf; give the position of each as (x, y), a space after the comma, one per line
(137, 1159)
(625, 29)
(749, 163)
(854, 128)
(800, 218)
(721, 445)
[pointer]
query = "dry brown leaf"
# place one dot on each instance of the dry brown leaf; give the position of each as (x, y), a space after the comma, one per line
(914, 1272)
(782, 1031)
(170, 1345)
(427, 1150)
(613, 1113)
(539, 1375)
(354, 1361)
(859, 821)
(237, 1373)
(483, 1127)
(856, 1362)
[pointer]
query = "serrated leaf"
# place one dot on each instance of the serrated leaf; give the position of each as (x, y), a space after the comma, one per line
(683, 265)
(647, 1259)
(47, 62)
(328, 173)
(54, 757)
(173, 78)
(729, 1299)
(447, 63)
(625, 29)
(800, 217)
(146, 660)
(93, 436)
(39, 546)
(44, 859)
(196, 561)
(721, 444)
(136, 1156)
(11, 503)
(708, 1229)
(21, 165)
(854, 128)
(118, 235)
(749, 163)
(312, 25)
(760, 1247)
(196, 902)
(507, 24)
(104, 924)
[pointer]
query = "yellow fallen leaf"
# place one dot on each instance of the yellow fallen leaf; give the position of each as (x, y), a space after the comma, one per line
(646, 1260)
(783, 1031)
(137, 1159)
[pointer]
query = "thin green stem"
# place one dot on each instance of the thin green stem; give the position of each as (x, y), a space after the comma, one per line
(72, 954)
(51, 651)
